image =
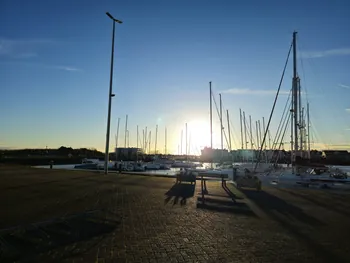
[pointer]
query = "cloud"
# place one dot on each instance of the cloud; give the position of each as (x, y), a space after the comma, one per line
(344, 86)
(322, 146)
(26, 55)
(21, 48)
(348, 110)
(67, 68)
(31, 64)
(343, 146)
(18, 50)
(238, 91)
(326, 53)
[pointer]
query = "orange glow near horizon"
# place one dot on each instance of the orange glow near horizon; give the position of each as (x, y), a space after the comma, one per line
(199, 135)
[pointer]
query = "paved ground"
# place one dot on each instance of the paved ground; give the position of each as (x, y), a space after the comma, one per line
(48, 215)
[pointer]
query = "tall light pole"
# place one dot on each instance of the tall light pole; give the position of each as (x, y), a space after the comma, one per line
(110, 94)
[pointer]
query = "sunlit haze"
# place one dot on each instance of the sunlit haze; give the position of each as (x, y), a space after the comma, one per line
(55, 66)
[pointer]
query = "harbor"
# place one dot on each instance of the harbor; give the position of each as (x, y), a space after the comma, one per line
(174, 131)
(281, 178)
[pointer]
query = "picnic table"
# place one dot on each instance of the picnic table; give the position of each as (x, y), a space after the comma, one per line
(186, 176)
(248, 180)
(211, 177)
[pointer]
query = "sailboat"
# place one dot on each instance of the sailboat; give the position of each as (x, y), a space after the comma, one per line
(223, 170)
(302, 172)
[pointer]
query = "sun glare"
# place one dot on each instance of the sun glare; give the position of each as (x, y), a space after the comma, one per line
(199, 131)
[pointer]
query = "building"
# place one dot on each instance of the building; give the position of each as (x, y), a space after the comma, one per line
(214, 155)
(244, 155)
(251, 155)
(126, 154)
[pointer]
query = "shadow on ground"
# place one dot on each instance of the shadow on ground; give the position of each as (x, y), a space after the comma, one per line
(271, 203)
(230, 193)
(218, 205)
(25, 243)
(327, 205)
(275, 207)
(180, 191)
(224, 203)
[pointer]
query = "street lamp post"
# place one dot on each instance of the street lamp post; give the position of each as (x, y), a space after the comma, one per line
(110, 94)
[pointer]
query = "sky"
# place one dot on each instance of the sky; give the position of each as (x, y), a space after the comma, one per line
(55, 68)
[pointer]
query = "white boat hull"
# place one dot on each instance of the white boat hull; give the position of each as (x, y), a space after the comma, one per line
(287, 178)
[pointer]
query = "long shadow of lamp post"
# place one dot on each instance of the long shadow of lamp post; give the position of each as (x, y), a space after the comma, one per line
(110, 94)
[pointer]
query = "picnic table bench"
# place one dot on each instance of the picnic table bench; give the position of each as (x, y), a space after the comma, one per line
(249, 181)
(187, 176)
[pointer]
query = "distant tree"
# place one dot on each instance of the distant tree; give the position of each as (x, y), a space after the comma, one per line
(65, 150)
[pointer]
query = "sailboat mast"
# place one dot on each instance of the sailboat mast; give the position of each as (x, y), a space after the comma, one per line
(186, 141)
(149, 142)
(301, 131)
(211, 125)
(251, 134)
(137, 143)
(128, 138)
(182, 135)
(155, 143)
(291, 133)
(245, 131)
(240, 119)
(137, 136)
(126, 129)
(251, 138)
(295, 94)
(146, 148)
(143, 140)
(257, 135)
(116, 141)
(308, 130)
(221, 127)
(211, 117)
(165, 139)
(229, 131)
(300, 118)
(262, 146)
(264, 129)
(304, 134)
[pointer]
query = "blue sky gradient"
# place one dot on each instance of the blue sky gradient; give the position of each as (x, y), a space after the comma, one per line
(55, 59)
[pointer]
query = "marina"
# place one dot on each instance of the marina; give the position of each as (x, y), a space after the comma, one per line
(282, 178)
(174, 131)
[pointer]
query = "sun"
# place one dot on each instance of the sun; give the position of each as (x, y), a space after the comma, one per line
(199, 135)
